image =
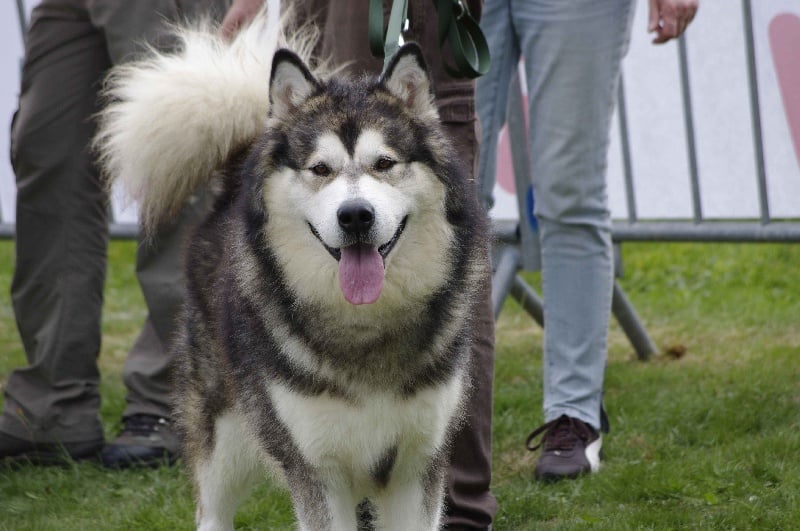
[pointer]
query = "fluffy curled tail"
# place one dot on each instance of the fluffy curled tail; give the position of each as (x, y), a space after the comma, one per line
(172, 119)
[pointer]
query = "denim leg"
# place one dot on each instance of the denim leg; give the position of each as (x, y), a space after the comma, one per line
(491, 96)
(573, 50)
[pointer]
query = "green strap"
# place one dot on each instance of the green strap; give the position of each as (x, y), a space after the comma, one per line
(470, 51)
(456, 26)
(385, 45)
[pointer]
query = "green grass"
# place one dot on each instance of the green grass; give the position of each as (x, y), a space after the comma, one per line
(704, 436)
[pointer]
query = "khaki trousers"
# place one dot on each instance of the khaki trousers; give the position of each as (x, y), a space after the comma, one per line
(62, 225)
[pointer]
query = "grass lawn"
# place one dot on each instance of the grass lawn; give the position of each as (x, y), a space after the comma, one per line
(704, 436)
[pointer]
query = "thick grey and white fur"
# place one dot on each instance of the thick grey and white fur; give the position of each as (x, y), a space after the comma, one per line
(326, 330)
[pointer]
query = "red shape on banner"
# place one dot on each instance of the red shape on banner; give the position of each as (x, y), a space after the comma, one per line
(784, 39)
(505, 166)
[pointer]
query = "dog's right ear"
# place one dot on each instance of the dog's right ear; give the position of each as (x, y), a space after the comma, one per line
(290, 83)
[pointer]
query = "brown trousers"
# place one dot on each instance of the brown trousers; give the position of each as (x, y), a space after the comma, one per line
(62, 225)
(345, 40)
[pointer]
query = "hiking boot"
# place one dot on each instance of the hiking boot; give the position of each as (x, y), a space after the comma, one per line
(145, 441)
(570, 448)
(16, 452)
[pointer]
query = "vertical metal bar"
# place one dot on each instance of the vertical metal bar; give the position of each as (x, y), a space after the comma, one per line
(23, 22)
(755, 112)
(625, 144)
(688, 120)
(632, 325)
(528, 299)
(520, 159)
(506, 265)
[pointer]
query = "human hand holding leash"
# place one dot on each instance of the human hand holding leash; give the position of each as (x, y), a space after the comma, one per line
(670, 18)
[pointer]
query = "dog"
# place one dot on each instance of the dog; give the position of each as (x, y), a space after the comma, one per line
(325, 334)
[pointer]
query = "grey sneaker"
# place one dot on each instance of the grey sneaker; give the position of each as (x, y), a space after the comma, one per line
(145, 440)
(570, 448)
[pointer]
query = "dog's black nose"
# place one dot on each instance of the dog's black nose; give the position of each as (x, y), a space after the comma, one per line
(356, 216)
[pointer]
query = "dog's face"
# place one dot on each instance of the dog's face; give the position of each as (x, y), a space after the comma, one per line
(355, 209)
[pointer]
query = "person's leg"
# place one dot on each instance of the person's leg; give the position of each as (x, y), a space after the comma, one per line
(573, 51)
(469, 500)
(61, 234)
(492, 90)
(146, 436)
(160, 272)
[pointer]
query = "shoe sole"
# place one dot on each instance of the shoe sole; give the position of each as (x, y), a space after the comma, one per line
(594, 455)
(555, 478)
(152, 462)
(48, 459)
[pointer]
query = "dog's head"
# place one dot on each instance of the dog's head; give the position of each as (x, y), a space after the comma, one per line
(354, 187)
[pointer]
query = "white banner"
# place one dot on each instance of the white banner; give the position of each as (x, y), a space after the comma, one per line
(10, 65)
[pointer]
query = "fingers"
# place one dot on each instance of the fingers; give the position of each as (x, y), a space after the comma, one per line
(231, 23)
(653, 16)
(668, 19)
(239, 14)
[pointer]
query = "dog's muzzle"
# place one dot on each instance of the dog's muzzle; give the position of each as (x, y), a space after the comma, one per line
(362, 263)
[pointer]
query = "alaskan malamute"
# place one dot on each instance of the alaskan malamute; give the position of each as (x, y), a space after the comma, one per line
(330, 288)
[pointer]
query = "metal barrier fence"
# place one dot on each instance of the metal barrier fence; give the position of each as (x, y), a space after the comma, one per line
(764, 229)
(517, 241)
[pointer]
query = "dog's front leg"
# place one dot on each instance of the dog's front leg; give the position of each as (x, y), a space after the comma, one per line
(224, 474)
(414, 504)
(320, 507)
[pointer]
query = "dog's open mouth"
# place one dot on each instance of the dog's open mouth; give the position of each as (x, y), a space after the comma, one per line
(362, 266)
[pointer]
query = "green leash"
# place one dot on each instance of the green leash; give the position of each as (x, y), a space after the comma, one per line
(456, 26)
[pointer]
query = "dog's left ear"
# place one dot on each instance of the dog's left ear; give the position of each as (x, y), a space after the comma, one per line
(408, 79)
(290, 83)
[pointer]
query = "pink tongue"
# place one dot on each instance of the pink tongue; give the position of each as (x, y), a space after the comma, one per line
(361, 273)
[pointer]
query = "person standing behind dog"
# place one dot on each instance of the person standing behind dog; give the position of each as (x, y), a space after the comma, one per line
(572, 51)
(51, 405)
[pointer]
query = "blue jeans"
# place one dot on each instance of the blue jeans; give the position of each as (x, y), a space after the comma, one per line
(572, 51)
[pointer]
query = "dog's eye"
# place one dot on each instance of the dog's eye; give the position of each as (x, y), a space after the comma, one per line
(384, 164)
(321, 169)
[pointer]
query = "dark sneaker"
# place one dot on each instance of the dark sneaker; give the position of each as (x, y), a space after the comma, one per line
(570, 448)
(17, 452)
(145, 440)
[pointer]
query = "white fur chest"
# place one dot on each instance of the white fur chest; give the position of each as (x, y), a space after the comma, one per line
(346, 440)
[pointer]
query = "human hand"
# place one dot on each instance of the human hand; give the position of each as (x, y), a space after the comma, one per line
(240, 13)
(669, 18)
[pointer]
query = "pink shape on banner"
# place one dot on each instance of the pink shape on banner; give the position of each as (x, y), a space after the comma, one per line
(784, 39)
(505, 166)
